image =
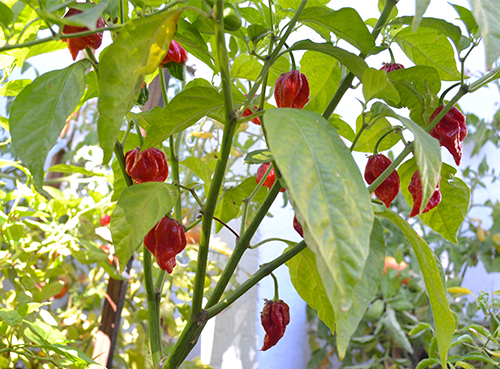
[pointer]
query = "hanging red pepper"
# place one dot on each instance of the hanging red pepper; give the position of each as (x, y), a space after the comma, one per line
(291, 90)
(165, 241)
(389, 188)
(274, 318)
(80, 43)
(248, 112)
(389, 67)
(147, 166)
(176, 54)
(450, 131)
(297, 227)
(415, 189)
(271, 178)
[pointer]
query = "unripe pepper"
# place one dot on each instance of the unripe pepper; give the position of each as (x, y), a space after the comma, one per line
(415, 189)
(271, 178)
(274, 318)
(147, 166)
(297, 227)
(389, 67)
(176, 54)
(450, 131)
(291, 90)
(388, 190)
(165, 241)
(76, 44)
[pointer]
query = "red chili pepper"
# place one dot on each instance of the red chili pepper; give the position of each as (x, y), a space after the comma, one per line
(165, 241)
(76, 44)
(176, 54)
(389, 67)
(147, 166)
(105, 220)
(274, 318)
(450, 131)
(388, 190)
(297, 227)
(415, 189)
(271, 178)
(291, 90)
(248, 112)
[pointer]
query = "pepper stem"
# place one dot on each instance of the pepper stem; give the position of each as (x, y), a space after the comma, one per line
(441, 98)
(294, 66)
(392, 56)
(276, 295)
(393, 129)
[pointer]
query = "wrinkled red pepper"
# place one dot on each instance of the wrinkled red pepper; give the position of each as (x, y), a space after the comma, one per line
(389, 67)
(271, 178)
(147, 166)
(249, 112)
(76, 44)
(291, 90)
(450, 131)
(176, 54)
(165, 241)
(415, 189)
(388, 190)
(274, 318)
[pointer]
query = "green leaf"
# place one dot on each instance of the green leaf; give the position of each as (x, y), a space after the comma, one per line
(379, 126)
(184, 110)
(487, 13)
(137, 51)
(429, 47)
(420, 8)
(342, 127)
(328, 192)
(139, 208)
(418, 88)
(40, 111)
(440, 25)
(395, 331)
(345, 23)
(447, 217)
(86, 19)
(75, 355)
(259, 157)
(426, 363)
(12, 88)
(189, 37)
(427, 153)
(201, 169)
(65, 168)
(376, 84)
(324, 75)
(6, 15)
(352, 62)
(41, 333)
(467, 18)
(9, 316)
(443, 317)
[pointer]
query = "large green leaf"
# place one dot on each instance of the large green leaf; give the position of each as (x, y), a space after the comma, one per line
(328, 192)
(420, 8)
(429, 47)
(352, 62)
(323, 73)
(376, 84)
(13, 88)
(137, 51)
(88, 18)
(443, 317)
(345, 23)
(379, 126)
(307, 281)
(486, 14)
(427, 152)
(185, 109)
(40, 111)
(395, 331)
(418, 88)
(447, 217)
(139, 208)
(467, 18)
(189, 37)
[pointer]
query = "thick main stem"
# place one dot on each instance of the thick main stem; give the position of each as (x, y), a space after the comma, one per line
(153, 309)
(346, 82)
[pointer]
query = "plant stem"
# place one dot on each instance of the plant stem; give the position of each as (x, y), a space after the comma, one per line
(174, 160)
(122, 12)
(263, 272)
(268, 240)
(276, 288)
(153, 299)
(57, 38)
(347, 80)
(121, 161)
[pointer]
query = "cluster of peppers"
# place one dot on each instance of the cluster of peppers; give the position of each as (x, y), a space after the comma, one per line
(450, 131)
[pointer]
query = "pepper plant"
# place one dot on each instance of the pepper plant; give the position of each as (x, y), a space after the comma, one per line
(338, 266)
